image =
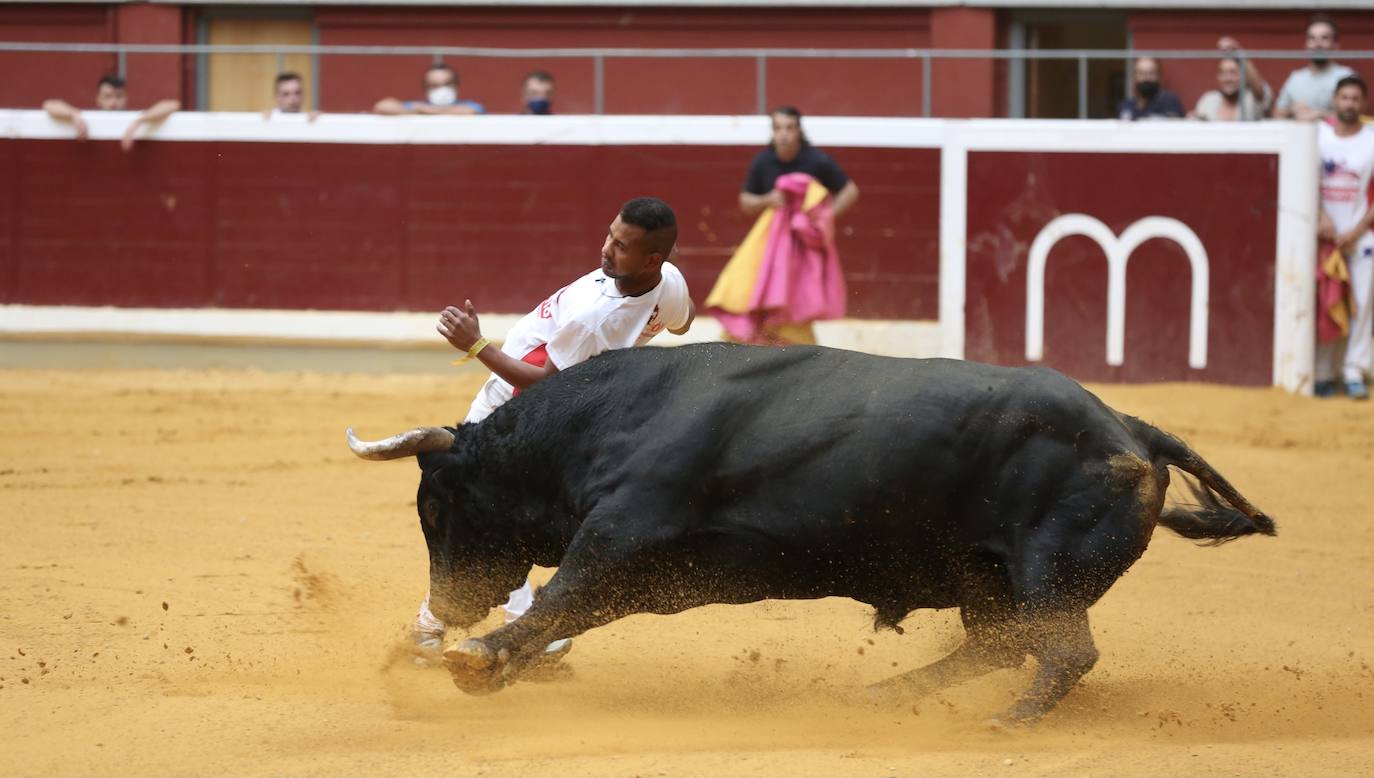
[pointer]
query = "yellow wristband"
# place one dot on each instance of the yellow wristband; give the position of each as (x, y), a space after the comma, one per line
(473, 352)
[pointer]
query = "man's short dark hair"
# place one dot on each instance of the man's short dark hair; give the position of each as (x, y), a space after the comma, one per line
(539, 75)
(656, 219)
(1321, 18)
(1352, 80)
(443, 66)
(115, 82)
(288, 76)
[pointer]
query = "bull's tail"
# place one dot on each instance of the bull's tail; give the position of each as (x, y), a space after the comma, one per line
(1211, 520)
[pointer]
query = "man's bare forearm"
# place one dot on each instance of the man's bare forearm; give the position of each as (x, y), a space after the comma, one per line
(752, 204)
(515, 372)
(847, 197)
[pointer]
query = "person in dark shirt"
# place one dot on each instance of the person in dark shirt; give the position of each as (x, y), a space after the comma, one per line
(1150, 100)
(790, 152)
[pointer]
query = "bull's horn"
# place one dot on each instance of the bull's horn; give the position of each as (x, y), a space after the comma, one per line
(421, 440)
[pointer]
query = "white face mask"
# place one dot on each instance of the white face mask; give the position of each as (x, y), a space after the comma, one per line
(443, 95)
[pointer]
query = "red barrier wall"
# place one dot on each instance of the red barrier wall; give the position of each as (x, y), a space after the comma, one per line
(409, 227)
(1228, 200)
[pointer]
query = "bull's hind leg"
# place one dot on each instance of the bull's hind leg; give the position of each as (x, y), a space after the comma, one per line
(1063, 645)
(990, 643)
(973, 658)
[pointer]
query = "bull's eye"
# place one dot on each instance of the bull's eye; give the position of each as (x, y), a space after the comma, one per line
(429, 512)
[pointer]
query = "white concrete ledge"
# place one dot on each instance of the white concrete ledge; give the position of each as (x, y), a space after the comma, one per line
(400, 329)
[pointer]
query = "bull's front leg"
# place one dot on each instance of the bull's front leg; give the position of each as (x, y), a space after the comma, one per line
(563, 609)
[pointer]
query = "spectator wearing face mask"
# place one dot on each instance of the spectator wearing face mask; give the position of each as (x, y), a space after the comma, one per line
(441, 97)
(537, 93)
(1307, 95)
(1149, 100)
(1226, 103)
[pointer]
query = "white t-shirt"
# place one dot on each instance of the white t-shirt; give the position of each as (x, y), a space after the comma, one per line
(583, 319)
(1315, 90)
(1347, 166)
(1210, 104)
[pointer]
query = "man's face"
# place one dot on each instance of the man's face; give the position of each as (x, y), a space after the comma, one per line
(537, 89)
(786, 135)
(1228, 77)
(1349, 104)
(441, 77)
(1146, 70)
(1321, 38)
(109, 98)
(290, 96)
(624, 255)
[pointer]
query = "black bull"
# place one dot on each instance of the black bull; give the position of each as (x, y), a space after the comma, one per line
(658, 480)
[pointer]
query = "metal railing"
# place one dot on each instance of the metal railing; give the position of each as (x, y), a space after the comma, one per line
(598, 58)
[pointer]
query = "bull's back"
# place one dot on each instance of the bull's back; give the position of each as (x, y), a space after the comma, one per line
(832, 428)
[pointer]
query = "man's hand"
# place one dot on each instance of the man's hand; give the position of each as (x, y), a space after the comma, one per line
(460, 328)
(1227, 43)
(127, 142)
(1346, 242)
(1326, 229)
(1306, 113)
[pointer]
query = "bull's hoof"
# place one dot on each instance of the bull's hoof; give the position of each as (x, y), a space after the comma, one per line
(476, 669)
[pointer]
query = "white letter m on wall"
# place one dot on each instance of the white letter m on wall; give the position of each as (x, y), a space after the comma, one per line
(1118, 251)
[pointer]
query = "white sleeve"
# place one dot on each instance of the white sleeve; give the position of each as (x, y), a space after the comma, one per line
(674, 304)
(572, 344)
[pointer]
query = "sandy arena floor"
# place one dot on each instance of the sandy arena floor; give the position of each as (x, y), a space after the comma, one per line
(200, 579)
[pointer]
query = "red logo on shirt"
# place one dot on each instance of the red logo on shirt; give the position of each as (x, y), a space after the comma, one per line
(654, 326)
(546, 308)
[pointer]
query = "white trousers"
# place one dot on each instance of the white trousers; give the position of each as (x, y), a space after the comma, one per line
(1354, 360)
(426, 623)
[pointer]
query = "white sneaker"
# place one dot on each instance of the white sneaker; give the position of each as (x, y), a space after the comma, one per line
(429, 648)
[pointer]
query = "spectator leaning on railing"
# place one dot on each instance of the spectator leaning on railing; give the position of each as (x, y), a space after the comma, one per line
(1226, 103)
(288, 92)
(441, 97)
(1151, 100)
(110, 96)
(1307, 94)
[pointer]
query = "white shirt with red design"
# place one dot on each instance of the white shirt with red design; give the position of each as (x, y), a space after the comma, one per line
(1347, 166)
(583, 319)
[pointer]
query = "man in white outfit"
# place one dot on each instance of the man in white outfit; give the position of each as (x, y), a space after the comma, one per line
(634, 295)
(1346, 214)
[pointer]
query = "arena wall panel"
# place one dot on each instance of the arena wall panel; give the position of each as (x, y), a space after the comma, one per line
(1233, 216)
(386, 227)
(1168, 251)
